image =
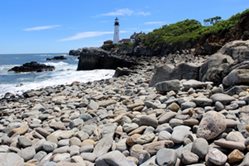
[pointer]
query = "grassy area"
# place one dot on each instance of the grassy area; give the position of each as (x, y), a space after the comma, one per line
(187, 31)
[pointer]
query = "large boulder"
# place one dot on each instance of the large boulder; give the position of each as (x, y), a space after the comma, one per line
(32, 67)
(186, 71)
(161, 74)
(238, 72)
(181, 71)
(237, 77)
(97, 58)
(228, 66)
(212, 124)
(215, 68)
(238, 50)
(237, 89)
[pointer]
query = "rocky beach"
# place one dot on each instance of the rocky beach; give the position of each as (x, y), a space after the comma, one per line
(190, 112)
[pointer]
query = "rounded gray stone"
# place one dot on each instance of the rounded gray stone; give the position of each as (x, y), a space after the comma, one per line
(121, 145)
(179, 133)
(219, 106)
(200, 147)
(61, 156)
(74, 150)
(188, 157)
(103, 146)
(166, 157)
(186, 105)
(49, 146)
(145, 138)
(39, 156)
(75, 141)
(148, 121)
(75, 123)
(128, 127)
(245, 160)
(165, 118)
(166, 86)
(115, 158)
(202, 101)
(164, 135)
(63, 149)
(223, 98)
(216, 157)
(9, 159)
(235, 136)
(27, 153)
(24, 142)
(63, 142)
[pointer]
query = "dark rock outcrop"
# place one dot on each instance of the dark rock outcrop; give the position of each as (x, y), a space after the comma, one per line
(141, 51)
(107, 45)
(32, 67)
(96, 58)
(75, 52)
(56, 58)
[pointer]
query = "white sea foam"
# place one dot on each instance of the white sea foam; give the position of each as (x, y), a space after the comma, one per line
(61, 66)
(57, 78)
(4, 68)
(64, 73)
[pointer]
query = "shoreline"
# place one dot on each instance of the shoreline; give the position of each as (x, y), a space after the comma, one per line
(152, 61)
(125, 121)
(33, 86)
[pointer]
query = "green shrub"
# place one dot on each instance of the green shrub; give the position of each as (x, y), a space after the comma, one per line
(186, 31)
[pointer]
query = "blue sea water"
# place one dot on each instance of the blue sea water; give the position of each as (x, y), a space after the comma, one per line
(64, 73)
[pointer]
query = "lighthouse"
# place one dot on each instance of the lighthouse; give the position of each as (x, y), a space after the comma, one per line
(116, 32)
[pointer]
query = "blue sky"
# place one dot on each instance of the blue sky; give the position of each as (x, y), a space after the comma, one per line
(39, 26)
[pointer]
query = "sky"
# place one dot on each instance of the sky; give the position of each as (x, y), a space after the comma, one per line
(56, 26)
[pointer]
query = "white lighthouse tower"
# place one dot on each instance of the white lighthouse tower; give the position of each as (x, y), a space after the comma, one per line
(116, 32)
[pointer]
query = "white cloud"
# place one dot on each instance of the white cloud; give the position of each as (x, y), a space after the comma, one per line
(89, 34)
(41, 28)
(119, 12)
(126, 12)
(143, 13)
(84, 35)
(154, 23)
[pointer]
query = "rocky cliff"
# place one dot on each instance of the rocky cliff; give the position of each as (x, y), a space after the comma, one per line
(210, 43)
(96, 58)
(188, 36)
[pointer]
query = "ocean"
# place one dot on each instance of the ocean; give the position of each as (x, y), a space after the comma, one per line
(64, 73)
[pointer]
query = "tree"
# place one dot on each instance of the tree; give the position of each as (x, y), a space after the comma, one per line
(212, 21)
